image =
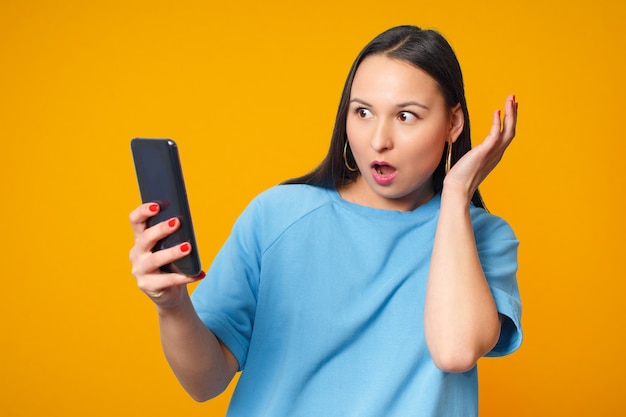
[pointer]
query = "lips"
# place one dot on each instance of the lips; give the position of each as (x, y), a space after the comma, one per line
(382, 172)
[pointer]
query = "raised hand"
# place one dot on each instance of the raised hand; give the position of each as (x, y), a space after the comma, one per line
(469, 171)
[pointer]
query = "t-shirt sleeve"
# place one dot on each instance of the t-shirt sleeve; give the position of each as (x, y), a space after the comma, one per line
(225, 300)
(497, 249)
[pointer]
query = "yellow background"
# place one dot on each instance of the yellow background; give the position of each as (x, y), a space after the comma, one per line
(249, 90)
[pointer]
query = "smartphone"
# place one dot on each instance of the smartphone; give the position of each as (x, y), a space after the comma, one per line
(160, 178)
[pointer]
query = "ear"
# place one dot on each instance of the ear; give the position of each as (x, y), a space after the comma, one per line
(457, 121)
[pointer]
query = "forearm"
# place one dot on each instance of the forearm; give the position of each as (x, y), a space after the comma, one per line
(460, 318)
(202, 364)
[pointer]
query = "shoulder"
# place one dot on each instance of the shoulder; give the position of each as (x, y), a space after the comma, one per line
(279, 207)
(489, 227)
(286, 195)
(289, 200)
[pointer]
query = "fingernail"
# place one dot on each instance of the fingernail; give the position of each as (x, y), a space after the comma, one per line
(171, 223)
(513, 98)
(184, 247)
(153, 208)
(201, 275)
(499, 113)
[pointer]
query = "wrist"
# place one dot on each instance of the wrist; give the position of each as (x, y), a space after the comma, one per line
(175, 306)
(456, 195)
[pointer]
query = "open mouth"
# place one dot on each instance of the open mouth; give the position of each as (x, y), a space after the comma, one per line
(383, 169)
(383, 173)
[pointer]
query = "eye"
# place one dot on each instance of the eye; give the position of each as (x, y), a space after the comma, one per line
(407, 116)
(363, 113)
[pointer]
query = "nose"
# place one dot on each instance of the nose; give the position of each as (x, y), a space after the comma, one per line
(382, 139)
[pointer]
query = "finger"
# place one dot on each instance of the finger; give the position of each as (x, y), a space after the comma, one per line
(148, 238)
(141, 214)
(164, 281)
(510, 119)
(496, 127)
(156, 285)
(145, 263)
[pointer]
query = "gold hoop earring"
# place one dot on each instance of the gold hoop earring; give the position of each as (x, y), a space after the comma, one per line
(345, 158)
(448, 158)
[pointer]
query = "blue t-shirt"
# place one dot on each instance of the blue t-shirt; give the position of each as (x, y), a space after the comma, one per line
(322, 303)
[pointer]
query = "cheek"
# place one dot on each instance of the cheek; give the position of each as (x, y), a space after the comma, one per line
(427, 148)
(351, 128)
(355, 135)
(423, 157)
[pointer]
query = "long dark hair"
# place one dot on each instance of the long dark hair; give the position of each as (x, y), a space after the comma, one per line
(425, 49)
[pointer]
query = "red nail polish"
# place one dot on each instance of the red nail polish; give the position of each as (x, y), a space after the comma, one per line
(172, 223)
(201, 275)
(184, 247)
(153, 208)
(513, 98)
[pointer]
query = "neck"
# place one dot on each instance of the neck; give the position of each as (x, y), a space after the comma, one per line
(359, 192)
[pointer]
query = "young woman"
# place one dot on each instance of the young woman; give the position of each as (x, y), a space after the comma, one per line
(372, 285)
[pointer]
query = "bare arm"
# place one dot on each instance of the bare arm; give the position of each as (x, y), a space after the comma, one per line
(460, 317)
(202, 364)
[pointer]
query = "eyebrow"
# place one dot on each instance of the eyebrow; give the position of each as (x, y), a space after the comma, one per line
(400, 105)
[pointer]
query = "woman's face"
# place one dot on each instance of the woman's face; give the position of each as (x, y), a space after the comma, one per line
(397, 126)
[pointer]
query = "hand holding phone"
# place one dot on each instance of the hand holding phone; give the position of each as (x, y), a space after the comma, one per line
(160, 180)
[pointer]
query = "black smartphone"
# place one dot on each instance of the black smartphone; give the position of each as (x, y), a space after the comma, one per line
(160, 178)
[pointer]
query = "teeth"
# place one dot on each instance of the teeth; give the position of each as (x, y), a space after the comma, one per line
(379, 170)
